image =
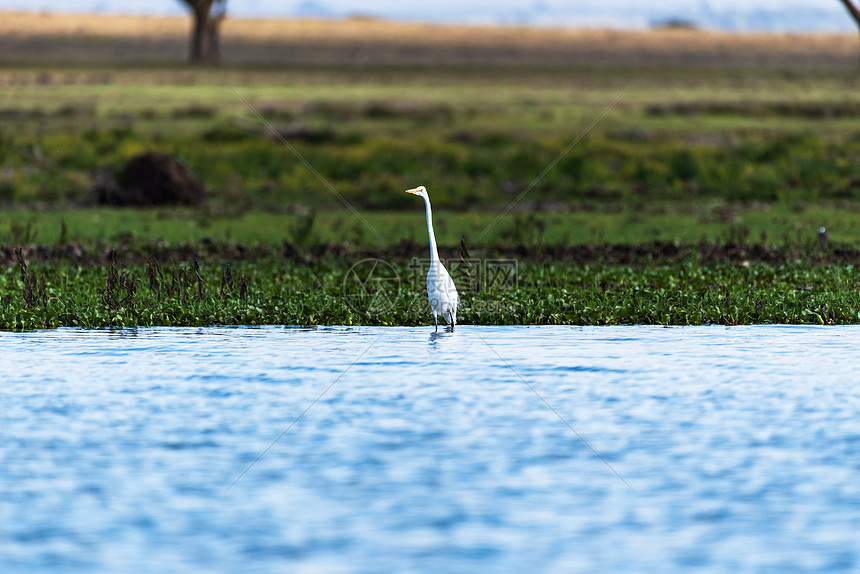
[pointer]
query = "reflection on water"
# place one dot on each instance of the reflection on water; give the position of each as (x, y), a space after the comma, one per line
(428, 453)
(437, 337)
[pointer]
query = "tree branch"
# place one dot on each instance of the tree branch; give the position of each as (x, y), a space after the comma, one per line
(853, 10)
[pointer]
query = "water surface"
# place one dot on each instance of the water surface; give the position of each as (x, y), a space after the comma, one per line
(431, 453)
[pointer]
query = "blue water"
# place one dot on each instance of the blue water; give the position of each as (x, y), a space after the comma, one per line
(740, 446)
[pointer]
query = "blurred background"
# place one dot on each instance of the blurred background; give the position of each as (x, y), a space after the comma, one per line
(741, 119)
(733, 15)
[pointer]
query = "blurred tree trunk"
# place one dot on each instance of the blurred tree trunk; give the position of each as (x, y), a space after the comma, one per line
(208, 15)
(853, 10)
(213, 27)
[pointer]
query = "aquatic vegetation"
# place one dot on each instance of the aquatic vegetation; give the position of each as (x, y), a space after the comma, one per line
(681, 290)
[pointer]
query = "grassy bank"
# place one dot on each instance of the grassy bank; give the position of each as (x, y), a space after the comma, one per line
(777, 223)
(656, 284)
(476, 139)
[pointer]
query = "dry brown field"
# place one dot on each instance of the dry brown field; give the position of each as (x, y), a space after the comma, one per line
(28, 38)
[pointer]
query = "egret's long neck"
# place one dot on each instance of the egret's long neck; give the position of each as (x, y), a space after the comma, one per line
(434, 253)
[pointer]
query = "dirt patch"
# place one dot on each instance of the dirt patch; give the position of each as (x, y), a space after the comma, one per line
(60, 38)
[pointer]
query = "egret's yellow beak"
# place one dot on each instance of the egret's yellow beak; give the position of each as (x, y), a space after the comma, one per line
(416, 190)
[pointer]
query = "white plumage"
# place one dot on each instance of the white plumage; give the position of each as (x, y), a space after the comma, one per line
(440, 287)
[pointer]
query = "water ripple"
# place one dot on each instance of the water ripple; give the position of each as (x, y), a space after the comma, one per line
(429, 453)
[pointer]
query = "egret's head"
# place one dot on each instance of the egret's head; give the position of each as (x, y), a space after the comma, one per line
(420, 191)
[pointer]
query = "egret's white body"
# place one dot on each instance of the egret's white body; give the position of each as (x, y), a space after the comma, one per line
(440, 287)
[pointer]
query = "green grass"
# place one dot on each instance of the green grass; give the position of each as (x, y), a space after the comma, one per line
(474, 138)
(776, 223)
(243, 167)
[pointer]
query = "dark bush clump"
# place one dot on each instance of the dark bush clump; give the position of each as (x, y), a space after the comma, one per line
(149, 179)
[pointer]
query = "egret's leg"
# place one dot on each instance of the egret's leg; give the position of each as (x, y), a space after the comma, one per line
(436, 321)
(453, 320)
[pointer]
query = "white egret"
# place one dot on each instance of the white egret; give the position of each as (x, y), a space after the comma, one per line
(440, 287)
